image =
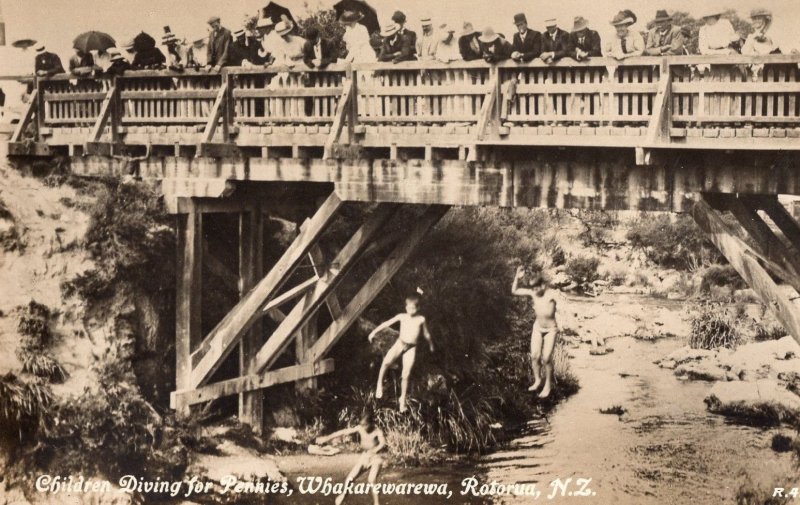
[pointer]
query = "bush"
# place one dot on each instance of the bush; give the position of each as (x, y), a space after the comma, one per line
(33, 324)
(721, 275)
(679, 244)
(582, 270)
(42, 364)
(716, 325)
(24, 406)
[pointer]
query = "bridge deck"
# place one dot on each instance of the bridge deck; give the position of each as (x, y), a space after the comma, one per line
(600, 133)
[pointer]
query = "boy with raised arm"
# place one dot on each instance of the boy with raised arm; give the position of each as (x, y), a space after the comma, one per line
(372, 441)
(545, 329)
(412, 325)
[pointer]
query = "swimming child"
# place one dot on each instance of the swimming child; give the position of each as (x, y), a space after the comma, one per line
(412, 325)
(373, 442)
(545, 329)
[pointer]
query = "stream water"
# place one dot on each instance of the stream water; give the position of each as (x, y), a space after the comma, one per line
(666, 448)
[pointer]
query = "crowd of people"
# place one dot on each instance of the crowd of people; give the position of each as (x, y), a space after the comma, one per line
(278, 42)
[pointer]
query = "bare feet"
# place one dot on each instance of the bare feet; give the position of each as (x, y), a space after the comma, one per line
(403, 407)
(545, 392)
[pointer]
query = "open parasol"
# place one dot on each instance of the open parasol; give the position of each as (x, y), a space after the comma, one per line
(369, 16)
(277, 12)
(143, 42)
(93, 41)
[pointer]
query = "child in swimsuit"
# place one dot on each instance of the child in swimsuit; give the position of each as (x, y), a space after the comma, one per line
(372, 441)
(412, 325)
(545, 330)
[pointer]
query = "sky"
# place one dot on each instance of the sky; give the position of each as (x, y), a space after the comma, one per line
(57, 22)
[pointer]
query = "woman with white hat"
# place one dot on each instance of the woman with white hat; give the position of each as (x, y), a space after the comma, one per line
(447, 50)
(288, 48)
(717, 34)
(627, 43)
(356, 39)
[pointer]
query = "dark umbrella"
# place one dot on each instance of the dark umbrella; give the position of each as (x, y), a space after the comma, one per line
(275, 12)
(369, 15)
(93, 41)
(143, 42)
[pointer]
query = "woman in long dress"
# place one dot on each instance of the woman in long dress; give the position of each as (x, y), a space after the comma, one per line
(356, 39)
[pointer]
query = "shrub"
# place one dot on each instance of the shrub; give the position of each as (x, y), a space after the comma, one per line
(42, 364)
(716, 325)
(24, 406)
(721, 275)
(582, 270)
(679, 244)
(33, 323)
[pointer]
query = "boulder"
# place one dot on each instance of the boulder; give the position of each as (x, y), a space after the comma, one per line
(763, 360)
(707, 370)
(765, 400)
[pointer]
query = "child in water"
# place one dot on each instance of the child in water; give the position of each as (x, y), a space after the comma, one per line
(372, 441)
(412, 325)
(545, 329)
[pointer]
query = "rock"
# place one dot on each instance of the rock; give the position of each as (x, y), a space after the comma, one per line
(285, 435)
(762, 360)
(686, 354)
(706, 370)
(745, 295)
(765, 400)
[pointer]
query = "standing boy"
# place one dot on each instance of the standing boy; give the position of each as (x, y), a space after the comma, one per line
(545, 330)
(412, 324)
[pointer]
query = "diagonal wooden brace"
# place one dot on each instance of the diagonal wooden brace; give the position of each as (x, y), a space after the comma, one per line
(223, 338)
(376, 283)
(313, 300)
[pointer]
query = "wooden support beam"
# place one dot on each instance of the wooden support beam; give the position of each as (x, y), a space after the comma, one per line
(106, 111)
(320, 268)
(307, 307)
(735, 251)
(291, 294)
(216, 113)
(251, 262)
(784, 221)
(27, 115)
(188, 298)
(251, 382)
(343, 110)
(377, 281)
(305, 339)
(219, 343)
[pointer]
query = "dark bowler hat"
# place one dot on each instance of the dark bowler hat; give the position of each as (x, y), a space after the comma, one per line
(661, 15)
(520, 18)
(398, 17)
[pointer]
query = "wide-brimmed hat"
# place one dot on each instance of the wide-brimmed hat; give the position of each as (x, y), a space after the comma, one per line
(488, 35)
(238, 33)
(520, 18)
(467, 29)
(115, 54)
(351, 17)
(213, 19)
(199, 42)
(128, 45)
(550, 22)
(579, 23)
(445, 30)
(662, 15)
(623, 18)
(712, 12)
(390, 29)
(760, 13)
(398, 17)
(284, 27)
(264, 23)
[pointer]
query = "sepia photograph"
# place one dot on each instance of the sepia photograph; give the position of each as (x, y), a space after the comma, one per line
(399, 252)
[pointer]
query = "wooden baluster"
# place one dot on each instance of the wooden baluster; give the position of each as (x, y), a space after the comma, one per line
(780, 76)
(791, 76)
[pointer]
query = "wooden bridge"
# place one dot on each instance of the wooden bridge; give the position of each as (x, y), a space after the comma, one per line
(701, 134)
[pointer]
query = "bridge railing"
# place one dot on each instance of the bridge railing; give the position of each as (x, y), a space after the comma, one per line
(660, 99)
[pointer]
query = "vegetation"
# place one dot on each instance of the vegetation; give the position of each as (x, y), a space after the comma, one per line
(716, 325)
(9, 235)
(33, 324)
(678, 244)
(582, 270)
(24, 406)
(44, 365)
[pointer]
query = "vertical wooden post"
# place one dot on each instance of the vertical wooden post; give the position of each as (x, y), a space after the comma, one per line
(352, 116)
(188, 298)
(116, 110)
(303, 342)
(40, 105)
(251, 241)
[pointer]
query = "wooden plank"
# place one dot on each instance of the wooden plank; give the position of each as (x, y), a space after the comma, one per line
(307, 307)
(706, 118)
(106, 109)
(342, 109)
(170, 94)
(188, 298)
(785, 222)
(251, 382)
(87, 96)
(734, 88)
(734, 250)
(26, 117)
(287, 92)
(215, 114)
(588, 88)
(660, 123)
(377, 281)
(291, 294)
(219, 343)
(320, 266)
(251, 247)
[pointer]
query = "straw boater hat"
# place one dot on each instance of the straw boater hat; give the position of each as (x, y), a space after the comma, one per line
(115, 54)
(712, 13)
(390, 29)
(579, 23)
(488, 35)
(169, 38)
(550, 22)
(238, 33)
(467, 29)
(661, 15)
(40, 48)
(351, 17)
(760, 13)
(128, 45)
(426, 21)
(624, 18)
(284, 27)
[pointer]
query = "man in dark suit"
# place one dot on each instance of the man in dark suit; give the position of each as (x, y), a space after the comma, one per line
(407, 39)
(555, 42)
(219, 44)
(397, 46)
(47, 63)
(527, 43)
(584, 43)
(318, 52)
(494, 47)
(469, 44)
